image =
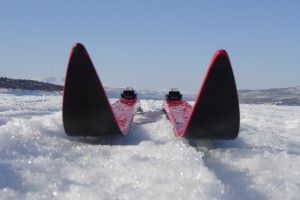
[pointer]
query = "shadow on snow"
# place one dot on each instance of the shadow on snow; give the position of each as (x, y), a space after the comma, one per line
(135, 135)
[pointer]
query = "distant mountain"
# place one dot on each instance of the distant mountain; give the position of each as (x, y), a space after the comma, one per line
(282, 96)
(114, 92)
(22, 84)
(52, 80)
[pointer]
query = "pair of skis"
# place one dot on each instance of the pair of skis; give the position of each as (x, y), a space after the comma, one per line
(88, 112)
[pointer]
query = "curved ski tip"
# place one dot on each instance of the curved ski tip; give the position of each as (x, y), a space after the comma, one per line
(221, 51)
(78, 46)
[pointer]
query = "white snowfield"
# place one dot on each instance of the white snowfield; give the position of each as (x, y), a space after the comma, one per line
(39, 161)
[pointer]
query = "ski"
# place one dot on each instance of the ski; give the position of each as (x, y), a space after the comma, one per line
(86, 109)
(215, 114)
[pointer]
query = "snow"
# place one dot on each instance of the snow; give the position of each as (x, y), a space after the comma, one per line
(38, 160)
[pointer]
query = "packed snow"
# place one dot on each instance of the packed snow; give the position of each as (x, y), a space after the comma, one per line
(39, 161)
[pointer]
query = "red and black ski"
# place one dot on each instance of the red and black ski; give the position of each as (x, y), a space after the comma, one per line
(215, 114)
(86, 108)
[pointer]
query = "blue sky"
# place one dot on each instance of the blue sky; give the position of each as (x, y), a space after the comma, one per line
(154, 44)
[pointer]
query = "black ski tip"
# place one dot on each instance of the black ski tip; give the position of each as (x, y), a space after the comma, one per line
(78, 45)
(86, 109)
(216, 113)
(221, 52)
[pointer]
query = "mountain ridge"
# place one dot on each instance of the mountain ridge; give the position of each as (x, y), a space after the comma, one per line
(277, 96)
(25, 84)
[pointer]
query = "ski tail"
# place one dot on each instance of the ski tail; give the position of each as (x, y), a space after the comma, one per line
(125, 108)
(216, 112)
(86, 108)
(178, 112)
